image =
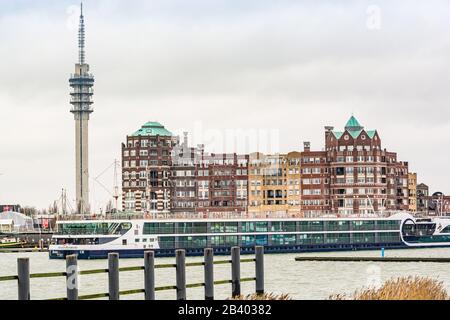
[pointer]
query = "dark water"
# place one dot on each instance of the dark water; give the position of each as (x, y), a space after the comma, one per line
(302, 280)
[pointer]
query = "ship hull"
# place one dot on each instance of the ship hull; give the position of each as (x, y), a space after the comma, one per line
(139, 253)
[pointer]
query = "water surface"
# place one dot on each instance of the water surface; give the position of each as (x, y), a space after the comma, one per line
(302, 280)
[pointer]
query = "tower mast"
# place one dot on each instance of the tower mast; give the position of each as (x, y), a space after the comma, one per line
(81, 83)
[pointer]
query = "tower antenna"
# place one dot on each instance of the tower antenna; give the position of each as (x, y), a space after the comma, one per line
(81, 38)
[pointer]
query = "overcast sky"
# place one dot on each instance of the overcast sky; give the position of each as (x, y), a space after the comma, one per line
(226, 71)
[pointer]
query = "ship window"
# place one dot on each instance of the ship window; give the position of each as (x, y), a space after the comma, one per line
(388, 225)
(84, 228)
(192, 227)
(221, 241)
(261, 240)
(283, 239)
(283, 226)
(310, 238)
(124, 242)
(167, 242)
(248, 240)
(248, 227)
(338, 225)
(136, 240)
(224, 227)
(311, 225)
(260, 226)
(159, 228)
(363, 225)
(363, 237)
(191, 242)
(338, 238)
(123, 228)
(389, 237)
(446, 230)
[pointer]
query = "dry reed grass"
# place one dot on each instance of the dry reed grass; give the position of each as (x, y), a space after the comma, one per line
(265, 296)
(404, 288)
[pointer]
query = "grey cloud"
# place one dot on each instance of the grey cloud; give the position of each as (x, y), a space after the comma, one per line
(291, 66)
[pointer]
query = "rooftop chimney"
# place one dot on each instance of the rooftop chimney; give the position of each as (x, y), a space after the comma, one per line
(307, 146)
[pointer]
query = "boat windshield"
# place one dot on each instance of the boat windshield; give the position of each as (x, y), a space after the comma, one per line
(411, 229)
(93, 228)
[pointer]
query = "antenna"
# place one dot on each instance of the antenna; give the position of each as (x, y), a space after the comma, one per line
(81, 38)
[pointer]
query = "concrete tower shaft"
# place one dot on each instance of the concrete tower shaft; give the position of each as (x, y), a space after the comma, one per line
(81, 83)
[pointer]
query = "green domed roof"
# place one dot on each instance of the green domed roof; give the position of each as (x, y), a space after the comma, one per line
(152, 129)
(353, 125)
(354, 128)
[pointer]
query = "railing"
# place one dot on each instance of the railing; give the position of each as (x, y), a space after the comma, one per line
(23, 276)
(223, 215)
(168, 216)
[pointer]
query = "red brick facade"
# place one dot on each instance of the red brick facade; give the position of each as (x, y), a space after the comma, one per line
(352, 175)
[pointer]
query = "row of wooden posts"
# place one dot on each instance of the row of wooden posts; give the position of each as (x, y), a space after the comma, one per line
(149, 267)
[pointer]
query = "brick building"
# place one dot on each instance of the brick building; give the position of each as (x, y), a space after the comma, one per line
(185, 160)
(315, 182)
(222, 181)
(353, 175)
(412, 192)
(274, 183)
(146, 169)
(422, 194)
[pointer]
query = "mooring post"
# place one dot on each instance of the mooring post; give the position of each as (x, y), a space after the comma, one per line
(149, 275)
(235, 271)
(209, 274)
(113, 276)
(23, 274)
(181, 274)
(259, 269)
(72, 277)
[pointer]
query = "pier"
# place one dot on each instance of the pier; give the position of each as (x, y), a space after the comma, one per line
(373, 259)
(23, 250)
(71, 275)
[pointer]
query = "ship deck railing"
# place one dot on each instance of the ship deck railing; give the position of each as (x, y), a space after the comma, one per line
(211, 216)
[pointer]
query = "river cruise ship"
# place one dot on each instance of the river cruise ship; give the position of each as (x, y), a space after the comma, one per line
(94, 239)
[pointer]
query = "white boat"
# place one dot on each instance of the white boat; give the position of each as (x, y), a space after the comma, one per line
(94, 239)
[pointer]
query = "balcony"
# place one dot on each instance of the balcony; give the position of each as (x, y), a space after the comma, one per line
(87, 76)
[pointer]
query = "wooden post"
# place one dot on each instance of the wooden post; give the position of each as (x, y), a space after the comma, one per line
(23, 274)
(235, 271)
(181, 274)
(149, 275)
(209, 274)
(259, 269)
(72, 277)
(113, 276)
